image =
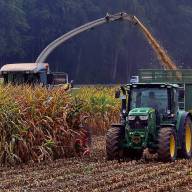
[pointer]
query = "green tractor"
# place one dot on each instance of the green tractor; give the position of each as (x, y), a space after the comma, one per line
(154, 115)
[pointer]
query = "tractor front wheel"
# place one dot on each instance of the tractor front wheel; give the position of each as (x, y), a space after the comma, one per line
(113, 141)
(167, 144)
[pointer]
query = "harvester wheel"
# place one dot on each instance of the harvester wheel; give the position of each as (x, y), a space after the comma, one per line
(186, 144)
(167, 144)
(113, 140)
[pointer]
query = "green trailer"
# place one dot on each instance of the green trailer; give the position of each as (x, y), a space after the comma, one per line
(155, 114)
(183, 78)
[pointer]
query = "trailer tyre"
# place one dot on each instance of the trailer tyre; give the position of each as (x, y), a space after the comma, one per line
(113, 141)
(167, 144)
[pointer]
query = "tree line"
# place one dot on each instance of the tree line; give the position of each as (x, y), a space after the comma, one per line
(109, 54)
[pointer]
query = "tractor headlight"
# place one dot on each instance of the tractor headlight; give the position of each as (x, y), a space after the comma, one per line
(131, 118)
(144, 118)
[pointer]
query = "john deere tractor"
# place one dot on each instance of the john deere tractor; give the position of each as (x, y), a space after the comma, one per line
(155, 114)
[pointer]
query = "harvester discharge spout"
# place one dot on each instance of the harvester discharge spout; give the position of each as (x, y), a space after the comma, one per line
(160, 52)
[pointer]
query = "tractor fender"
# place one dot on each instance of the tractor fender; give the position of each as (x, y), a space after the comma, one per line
(118, 125)
(180, 124)
(122, 128)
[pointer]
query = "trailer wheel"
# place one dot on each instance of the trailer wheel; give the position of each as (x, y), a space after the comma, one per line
(113, 141)
(167, 144)
(186, 143)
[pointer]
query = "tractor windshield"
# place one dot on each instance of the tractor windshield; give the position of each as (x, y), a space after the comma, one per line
(156, 98)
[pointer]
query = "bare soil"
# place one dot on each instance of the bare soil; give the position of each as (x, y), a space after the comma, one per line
(96, 174)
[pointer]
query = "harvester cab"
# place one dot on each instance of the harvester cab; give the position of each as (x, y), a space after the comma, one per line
(154, 115)
(32, 74)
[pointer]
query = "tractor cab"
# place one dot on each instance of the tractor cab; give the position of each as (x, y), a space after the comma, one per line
(145, 99)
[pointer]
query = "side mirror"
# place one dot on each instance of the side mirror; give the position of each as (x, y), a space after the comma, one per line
(71, 82)
(117, 94)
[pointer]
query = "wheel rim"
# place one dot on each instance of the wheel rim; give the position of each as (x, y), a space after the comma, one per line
(172, 146)
(188, 138)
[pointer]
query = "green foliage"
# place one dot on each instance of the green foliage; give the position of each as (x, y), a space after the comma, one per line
(110, 54)
(38, 124)
(101, 107)
(13, 26)
(33, 124)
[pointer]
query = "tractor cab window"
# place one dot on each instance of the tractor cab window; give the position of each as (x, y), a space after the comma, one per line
(175, 101)
(156, 98)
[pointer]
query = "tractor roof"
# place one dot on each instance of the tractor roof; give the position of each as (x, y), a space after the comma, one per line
(24, 67)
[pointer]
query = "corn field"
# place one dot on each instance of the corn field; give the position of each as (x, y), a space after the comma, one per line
(94, 173)
(100, 105)
(38, 124)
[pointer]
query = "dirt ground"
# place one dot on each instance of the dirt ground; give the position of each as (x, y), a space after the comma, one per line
(96, 174)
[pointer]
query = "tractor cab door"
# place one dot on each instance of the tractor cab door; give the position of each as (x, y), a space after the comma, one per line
(173, 100)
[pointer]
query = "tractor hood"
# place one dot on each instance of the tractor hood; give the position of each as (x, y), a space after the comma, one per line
(141, 111)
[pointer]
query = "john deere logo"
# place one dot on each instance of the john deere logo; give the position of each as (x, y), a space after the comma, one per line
(136, 139)
(137, 122)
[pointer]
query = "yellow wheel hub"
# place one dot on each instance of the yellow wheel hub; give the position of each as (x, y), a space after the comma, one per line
(188, 138)
(172, 146)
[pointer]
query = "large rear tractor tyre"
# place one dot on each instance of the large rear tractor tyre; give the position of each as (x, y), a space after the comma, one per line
(186, 143)
(113, 141)
(167, 144)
